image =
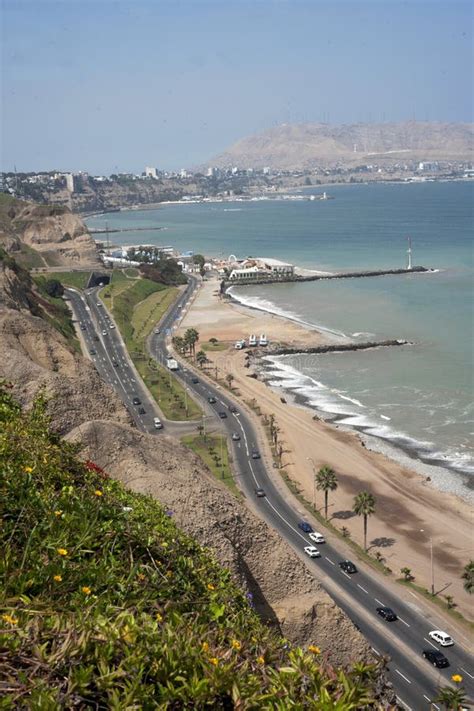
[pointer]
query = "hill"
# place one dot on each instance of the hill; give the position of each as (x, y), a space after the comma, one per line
(311, 145)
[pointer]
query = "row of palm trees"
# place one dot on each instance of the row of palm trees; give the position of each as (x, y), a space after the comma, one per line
(364, 503)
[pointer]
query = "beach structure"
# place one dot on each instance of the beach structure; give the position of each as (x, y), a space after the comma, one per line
(252, 272)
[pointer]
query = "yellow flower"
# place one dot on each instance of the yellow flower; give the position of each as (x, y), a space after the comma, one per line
(457, 678)
(86, 590)
(210, 586)
(314, 649)
(10, 620)
(260, 660)
(140, 576)
(28, 470)
(58, 578)
(164, 544)
(214, 661)
(62, 551)
(58, 513)
(98, 492)
(236, 644)
(169, 574)
(45, 460)
(158, 617)
(205, 647)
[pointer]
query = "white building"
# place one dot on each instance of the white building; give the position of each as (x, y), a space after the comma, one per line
(246, 273)
(69, 182)
(150, 172)
(276, 267)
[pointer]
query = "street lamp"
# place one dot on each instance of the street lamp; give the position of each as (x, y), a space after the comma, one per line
(310, 459)
(432, 562)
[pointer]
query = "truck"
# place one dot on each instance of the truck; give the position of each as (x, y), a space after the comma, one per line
(172, 364)
(253, 340)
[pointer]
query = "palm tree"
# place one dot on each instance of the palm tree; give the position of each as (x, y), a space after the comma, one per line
(178, 343)
(191, 337)
(451, 699)
(468, 577)
(326, 481)
(201, 358)
(364, 505)
(229, 378)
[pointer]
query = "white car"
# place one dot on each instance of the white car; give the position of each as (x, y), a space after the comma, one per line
(312, 551)
(111, 325)
(317, 537)
(441, 637)
(104, 332)
(157, 423)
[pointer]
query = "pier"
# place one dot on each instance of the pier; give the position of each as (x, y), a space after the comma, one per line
(333, 348)
(105, 230)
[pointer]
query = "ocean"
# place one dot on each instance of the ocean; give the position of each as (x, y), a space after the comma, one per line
(415, 403)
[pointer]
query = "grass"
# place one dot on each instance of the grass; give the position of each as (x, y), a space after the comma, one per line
(131, 272)
(437, 600)
(213, 451)
(29, 258)
(209, 347)
(75, 279)
(137, 305)
(56, 312)
(105, 603)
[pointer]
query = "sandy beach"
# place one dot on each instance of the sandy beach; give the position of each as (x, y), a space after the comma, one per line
(408, 509)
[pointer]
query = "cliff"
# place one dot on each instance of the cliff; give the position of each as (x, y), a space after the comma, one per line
(45, 235)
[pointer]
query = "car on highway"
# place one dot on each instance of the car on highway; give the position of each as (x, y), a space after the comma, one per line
(99, 304)
(114, 363)
(441, 637)
(111, 325)
(104, 332)
(387, 614)
(157, 331)
(195, 380)
(305, 526)
(93, 351)
(141, 411)
(211, 399)
(157, 423)
(317, 537)
(223, 415)
(83, 326)
(436, 658)
(312, 551)
(233, 409)
(259, 492)
(255, 454)
(347, 566)
(136, 401)
(235, 436)
(96, 337)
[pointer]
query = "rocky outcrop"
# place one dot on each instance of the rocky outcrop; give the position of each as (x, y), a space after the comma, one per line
(60, 237)
(334, 348)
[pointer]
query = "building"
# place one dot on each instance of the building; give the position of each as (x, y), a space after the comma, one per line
(69, 182)
(276, 267)
(246, 273)
(150, 172)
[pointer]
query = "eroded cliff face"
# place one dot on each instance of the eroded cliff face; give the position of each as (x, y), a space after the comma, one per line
(54, 232)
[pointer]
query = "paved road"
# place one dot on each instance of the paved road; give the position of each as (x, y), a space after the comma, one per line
(403, 641)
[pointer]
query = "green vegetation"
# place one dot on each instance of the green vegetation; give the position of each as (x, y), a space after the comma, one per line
(29, 258)
(105, 603)
(213, 451)
(326, 481)
(219, 346)
(468, 577)
(364, 505)
(75, 279)
(444, 603)
(137, 305)
(55, 310)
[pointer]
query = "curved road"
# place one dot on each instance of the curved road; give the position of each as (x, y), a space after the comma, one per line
(403, 641)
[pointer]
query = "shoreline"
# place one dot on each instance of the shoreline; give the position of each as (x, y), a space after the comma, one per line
(406, 501)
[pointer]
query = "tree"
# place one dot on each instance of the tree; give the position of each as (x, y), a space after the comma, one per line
(201, 358)
(406, 572)
(468, 577)
(178, 343)
(53, 287)
(229, 378)
(364, 505)
(191, 337)
(451, 699)
(326, 481)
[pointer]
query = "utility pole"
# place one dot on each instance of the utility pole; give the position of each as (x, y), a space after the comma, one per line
(314, 480)
(409, 254)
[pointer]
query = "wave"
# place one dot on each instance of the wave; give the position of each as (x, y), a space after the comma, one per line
(256, 302)
(334, 405)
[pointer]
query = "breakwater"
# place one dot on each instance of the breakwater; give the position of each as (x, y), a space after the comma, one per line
(296, 278)
(331, 348)
(105, 230)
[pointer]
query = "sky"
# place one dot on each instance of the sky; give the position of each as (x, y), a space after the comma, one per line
(110, 86)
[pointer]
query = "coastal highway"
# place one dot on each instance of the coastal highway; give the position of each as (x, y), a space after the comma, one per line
(403, 641)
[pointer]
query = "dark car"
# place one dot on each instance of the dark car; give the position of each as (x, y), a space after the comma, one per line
(96, 337)
(83, 326)
(222, 415)
(387, 614)
(114, 363)
(259, 492)
(212, 399)
(232, 408)
(255, 454)
(141, 411)
(348, 567)
(436, 658)
(93, 351)
(305, 526)
(136, 401)
(195, 380)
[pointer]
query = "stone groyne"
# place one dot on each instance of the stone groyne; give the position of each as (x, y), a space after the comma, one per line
(333, 348)
(316, 277)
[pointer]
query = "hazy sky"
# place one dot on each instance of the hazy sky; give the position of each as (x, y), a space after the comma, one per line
(108, 86)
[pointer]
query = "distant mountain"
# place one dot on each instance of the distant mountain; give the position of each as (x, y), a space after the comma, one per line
(291, 146)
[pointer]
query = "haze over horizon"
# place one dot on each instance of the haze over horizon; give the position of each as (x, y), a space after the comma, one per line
(113, 86)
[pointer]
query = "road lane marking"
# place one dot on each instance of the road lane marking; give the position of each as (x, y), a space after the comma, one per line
(344, 573)
(430, 642)
(329, 559)
(403, 677)
(380, 603)
(287, 522)
(466, 672)
(376, 652)
(400, 701)
(402, 620)
(360, 586)
(253, 474)
(427, 698)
